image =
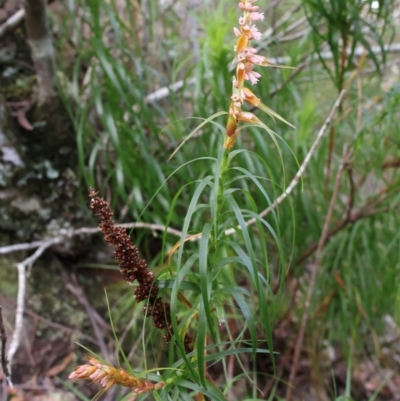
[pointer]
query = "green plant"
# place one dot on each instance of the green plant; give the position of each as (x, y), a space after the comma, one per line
(204, 275)
(222, 266)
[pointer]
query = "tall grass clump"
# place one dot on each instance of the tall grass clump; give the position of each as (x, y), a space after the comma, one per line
(218, 277)
(358, 38)
(119, 65)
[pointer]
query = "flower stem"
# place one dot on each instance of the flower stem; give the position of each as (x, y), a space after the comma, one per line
(224, 167)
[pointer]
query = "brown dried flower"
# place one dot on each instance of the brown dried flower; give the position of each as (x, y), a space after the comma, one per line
(108, 375)
(132, 266)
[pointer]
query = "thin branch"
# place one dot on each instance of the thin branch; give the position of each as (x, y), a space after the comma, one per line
(3, 340)
(285, 17)
(292, 76)
(294, 36)
(162, 93)
(19, 313)
(43, 245)
(13, 22)
(302, 168)
(20, 247)
(290, 29)
(315, 270)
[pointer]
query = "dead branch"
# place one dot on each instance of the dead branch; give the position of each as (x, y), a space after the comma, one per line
(12, 23)
(3, 340)
(19, 313)
(65, 234)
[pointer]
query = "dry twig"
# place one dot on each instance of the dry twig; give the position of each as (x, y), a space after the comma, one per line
(19, 313)
(13, 22)
(3, 341)
(66, 234)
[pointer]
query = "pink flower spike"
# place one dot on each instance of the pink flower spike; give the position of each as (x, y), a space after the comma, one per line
(236, 32)
(242, 21)
(256, 16)
(254, 8)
